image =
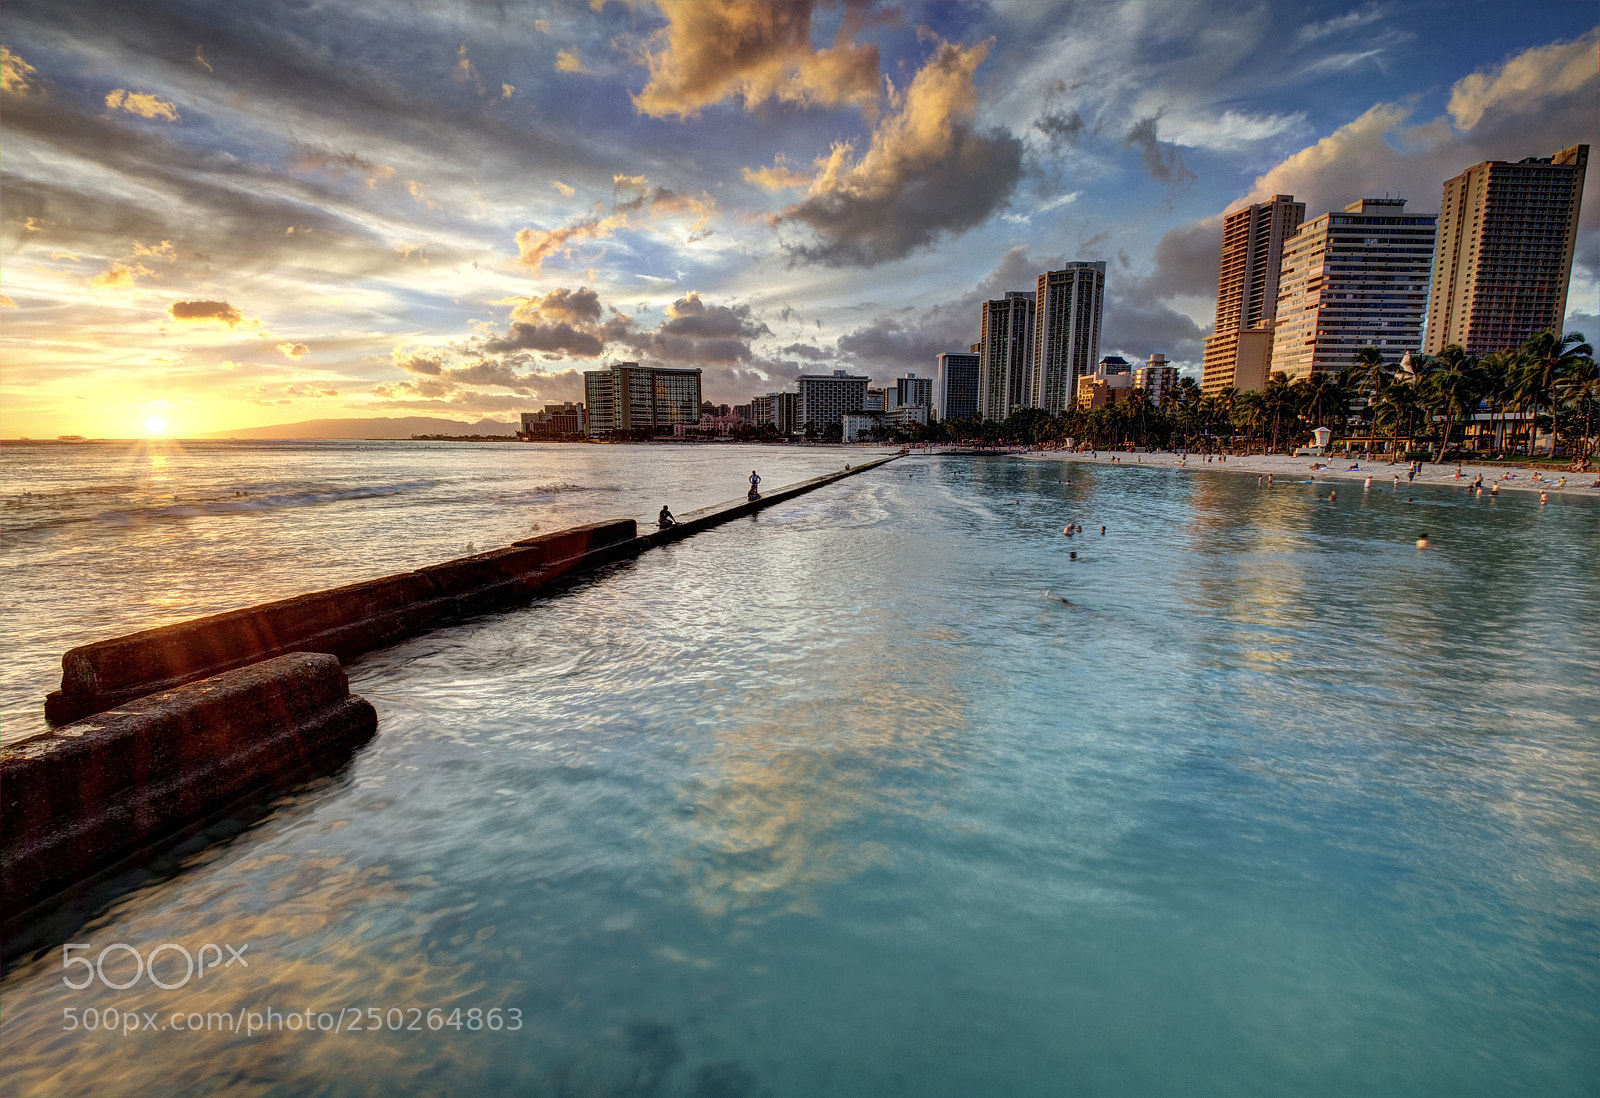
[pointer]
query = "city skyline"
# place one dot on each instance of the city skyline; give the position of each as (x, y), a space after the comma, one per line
(507, 198)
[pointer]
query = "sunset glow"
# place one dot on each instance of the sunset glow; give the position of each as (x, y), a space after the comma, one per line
(155, 425)
(505, 197)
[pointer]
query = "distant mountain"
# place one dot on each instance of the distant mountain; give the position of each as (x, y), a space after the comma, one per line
(379, 427)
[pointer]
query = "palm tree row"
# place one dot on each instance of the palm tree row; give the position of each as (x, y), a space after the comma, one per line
(1549, 382)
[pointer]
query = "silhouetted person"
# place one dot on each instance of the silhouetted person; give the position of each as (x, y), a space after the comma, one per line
(665, 519)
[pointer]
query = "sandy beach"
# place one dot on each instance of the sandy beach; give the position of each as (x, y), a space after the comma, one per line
(1283, 468)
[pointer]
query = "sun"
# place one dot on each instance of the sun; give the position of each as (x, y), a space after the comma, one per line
(155, 425)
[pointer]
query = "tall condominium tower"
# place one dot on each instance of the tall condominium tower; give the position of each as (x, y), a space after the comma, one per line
(1506, 234)
(1351, 280)
(1240, 346)
(1066, 332)
(1005, 365)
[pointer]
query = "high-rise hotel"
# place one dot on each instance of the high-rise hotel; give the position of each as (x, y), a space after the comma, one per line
(626, 398)
(1351, 280)
(1066, 339)
(1506, 236)
(1240, 348)
(1005, 364)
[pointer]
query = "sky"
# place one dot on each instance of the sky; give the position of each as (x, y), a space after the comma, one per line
(242, 214)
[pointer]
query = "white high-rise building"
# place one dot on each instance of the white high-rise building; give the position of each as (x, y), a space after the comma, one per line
(1350, 280)
(1066, 339)
(825, 398)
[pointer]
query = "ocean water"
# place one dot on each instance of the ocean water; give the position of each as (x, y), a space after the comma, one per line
(880, 792)
(99, 540)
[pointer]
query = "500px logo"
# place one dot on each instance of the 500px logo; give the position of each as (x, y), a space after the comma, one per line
(170, 955)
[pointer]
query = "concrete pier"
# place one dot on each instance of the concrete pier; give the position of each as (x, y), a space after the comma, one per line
(80, 798)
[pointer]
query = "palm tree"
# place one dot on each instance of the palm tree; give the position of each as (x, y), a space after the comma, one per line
(1452, 388)
(1579, 390)
(1280, 399)
(1323, 395)
(1543, 361)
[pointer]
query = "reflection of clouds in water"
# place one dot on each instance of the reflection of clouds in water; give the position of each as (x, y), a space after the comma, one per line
(783, 804)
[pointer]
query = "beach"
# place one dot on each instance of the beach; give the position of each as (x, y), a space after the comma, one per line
(1382, 472)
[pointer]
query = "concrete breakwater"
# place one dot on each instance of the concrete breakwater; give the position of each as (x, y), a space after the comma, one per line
(80, 798)
(149, 725)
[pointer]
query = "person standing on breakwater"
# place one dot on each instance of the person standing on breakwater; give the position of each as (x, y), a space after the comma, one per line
(755, 482)
(665, 519)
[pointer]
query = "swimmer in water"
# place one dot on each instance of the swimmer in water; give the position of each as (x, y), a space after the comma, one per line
(1102, 531)
(1422, 541)
(1367, 485)
(1332, 496)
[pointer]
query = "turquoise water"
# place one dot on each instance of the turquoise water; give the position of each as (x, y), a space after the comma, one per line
(845, 800)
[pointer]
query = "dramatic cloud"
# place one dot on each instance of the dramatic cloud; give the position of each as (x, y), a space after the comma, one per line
(204, 312)
(927, 173)
(294, 350)
(142, 104)
(1163, 164)
(696, 332)
(560, 336)
(581, 306)
(16, 75)
(720, 49)
(1558, 69)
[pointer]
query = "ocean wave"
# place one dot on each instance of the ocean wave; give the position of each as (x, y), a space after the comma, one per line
(216, 504)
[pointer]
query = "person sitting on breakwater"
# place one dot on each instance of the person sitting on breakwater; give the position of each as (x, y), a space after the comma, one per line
(665, 519)
(755, 482)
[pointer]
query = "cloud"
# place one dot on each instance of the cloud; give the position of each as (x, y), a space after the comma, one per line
(507, 91)
(566, 191)
(294, 350)
(559, 336)
(200, 59)
(16, 75)
(120, 275)
(927, 173)
(807, 350)
(535, 246)
(568, 61)
(418, 363)
(580, 306)
(466, 71)
(6, 302)
(1061, 128)
(630, 194)
(142, 104)
(722, 49)
(203, 312)
(778, 177)
(1341, 24)
(311, 158)
(1164, 165)
(697, 332)
(1557, 69)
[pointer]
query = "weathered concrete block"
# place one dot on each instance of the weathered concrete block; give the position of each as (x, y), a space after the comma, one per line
(566, 545)
(343, 621)
(83, 796)
(498, 566)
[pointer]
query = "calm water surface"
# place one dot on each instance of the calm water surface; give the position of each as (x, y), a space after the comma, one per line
(845, 800)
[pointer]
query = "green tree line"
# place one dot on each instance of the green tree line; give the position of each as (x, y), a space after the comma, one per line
(1548, 383)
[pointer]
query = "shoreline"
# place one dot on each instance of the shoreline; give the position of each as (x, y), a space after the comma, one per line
(1298, 470)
